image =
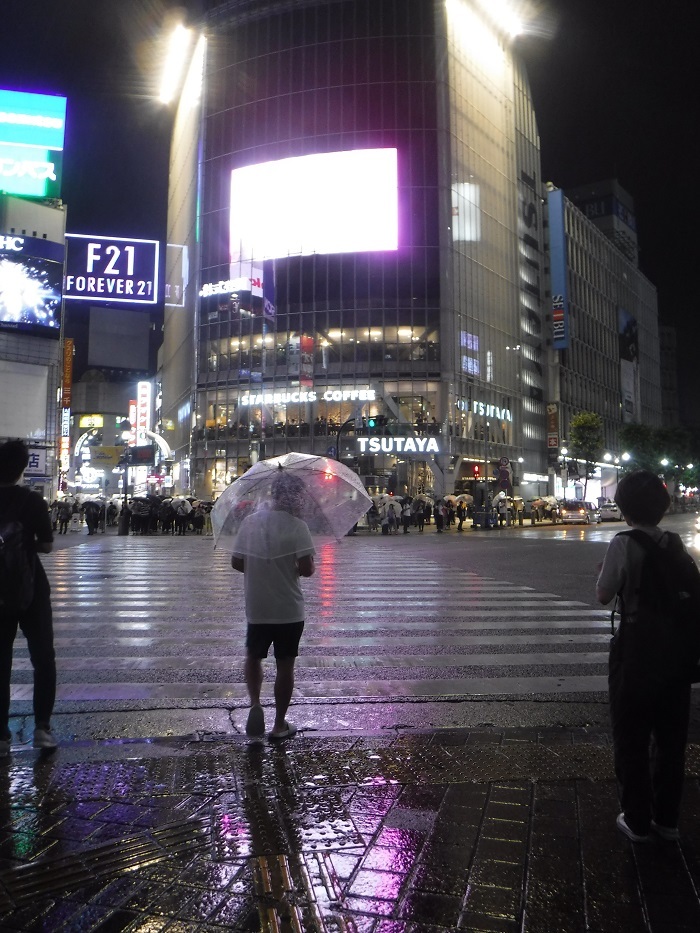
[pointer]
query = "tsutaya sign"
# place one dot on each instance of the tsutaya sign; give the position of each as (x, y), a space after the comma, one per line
(485, 410)
(398, 445)
(308, 395)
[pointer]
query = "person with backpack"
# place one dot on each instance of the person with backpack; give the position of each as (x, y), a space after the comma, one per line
(653, 657)
(25, 595)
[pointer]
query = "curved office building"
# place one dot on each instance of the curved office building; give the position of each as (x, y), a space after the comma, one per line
(355, 245)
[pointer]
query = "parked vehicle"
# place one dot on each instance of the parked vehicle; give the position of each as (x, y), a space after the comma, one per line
(609, 512)
(594, 512)
(574, 511)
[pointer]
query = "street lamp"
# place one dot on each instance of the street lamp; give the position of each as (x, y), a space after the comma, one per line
(563, 452)
(124, 518)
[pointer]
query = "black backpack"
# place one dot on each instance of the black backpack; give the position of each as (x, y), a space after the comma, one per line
(662, 639)
(17, 567)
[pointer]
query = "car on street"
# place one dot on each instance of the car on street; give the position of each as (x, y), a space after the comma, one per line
(594, 512)
(575, 511)
(609, 512)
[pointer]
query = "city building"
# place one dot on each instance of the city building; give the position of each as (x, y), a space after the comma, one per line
(668, 354)
(611, 209)
(355, 259)
(605, 345)
(32, 246)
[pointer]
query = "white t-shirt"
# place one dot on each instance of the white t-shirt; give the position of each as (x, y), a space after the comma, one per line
(272, 588)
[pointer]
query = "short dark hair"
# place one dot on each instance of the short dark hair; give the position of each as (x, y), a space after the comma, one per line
(642, 497)
(14, 457)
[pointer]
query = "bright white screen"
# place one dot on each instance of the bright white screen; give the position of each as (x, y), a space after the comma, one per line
(335, 202)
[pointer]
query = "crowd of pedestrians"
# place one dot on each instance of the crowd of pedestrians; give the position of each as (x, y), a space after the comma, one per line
(144, 515)
(388, 514)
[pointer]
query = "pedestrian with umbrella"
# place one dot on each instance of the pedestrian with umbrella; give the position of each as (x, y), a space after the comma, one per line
(267, 517)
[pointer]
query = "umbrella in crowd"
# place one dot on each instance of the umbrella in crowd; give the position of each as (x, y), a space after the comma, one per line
(326, 495)
(465, 498)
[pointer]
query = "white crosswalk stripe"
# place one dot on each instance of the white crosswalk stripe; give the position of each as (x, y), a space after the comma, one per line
(162, 618)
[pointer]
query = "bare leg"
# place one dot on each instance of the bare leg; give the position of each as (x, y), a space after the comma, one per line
(284, 685)
(253, 678)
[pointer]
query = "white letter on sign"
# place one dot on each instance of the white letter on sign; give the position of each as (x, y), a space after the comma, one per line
(93, 256)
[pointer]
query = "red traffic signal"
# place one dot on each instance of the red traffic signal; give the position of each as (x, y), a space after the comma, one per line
(477, 469)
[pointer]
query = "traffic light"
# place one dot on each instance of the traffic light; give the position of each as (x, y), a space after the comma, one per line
(371, 423)
(477, 471)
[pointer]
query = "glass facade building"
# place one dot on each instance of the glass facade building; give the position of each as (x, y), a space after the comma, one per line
(612, 362)
(355, 246)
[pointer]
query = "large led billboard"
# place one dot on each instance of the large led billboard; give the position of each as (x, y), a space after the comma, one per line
(31, 275)
(111, 269)
(333, 202)
(32, 133)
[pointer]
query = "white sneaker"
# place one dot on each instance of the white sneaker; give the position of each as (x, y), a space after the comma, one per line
(669, 833)
(44, 738)
(630, 833)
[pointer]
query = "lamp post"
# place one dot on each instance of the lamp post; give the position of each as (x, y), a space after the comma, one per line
(339, 434)
(563, 452)
(124, 517)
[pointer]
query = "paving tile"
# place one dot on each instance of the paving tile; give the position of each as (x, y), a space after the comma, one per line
(440, 910)
(221, 835)
(494, 900)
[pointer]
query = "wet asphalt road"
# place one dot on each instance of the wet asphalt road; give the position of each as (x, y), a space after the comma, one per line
(413, 629)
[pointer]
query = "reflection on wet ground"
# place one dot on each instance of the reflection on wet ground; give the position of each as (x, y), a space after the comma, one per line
(481, 830)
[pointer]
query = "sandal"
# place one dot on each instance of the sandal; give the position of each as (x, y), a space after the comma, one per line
(289, 730)
(255, 724)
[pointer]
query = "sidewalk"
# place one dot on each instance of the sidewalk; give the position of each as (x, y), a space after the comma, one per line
(485, 829)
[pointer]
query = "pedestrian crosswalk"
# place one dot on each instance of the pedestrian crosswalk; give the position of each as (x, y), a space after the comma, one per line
(163, 619)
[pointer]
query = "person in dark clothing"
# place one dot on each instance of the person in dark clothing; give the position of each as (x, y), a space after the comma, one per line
(643, 710)
(439, 517)
(461, 515)
(91, 511)
(65, 513)
(18, 504)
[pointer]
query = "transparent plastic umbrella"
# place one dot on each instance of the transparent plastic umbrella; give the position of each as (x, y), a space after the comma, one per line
(321, 492)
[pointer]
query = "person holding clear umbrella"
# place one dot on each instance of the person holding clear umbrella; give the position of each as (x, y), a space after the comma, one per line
(276, 550)
(267, 517)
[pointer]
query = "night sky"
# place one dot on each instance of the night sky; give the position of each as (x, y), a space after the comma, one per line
(614, 85)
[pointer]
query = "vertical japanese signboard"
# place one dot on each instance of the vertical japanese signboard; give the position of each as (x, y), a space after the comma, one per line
(67, 378)
(558, 270)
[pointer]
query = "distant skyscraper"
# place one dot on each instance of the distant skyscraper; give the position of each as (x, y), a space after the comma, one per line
(607, 205)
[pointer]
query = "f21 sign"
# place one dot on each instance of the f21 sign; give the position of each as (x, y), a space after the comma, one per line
(111, 269)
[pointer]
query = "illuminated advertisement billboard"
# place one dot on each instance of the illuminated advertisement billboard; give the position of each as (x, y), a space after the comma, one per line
(111, 269)
(32, 133)
(31, 275)
(334, 202)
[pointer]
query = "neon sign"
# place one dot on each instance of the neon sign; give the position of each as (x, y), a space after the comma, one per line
(32, 133)
(398, 445)
(111, 269)
(296, 396)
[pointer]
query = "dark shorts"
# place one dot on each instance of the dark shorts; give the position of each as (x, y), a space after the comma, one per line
(285, 636)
